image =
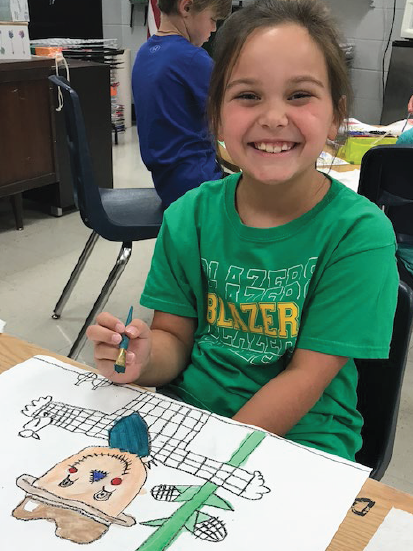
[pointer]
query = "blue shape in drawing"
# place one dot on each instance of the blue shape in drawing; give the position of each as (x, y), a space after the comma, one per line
(130, 434)
(98, 475)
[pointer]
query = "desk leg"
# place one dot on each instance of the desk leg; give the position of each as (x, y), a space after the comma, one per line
(56, 211)
(17, 204)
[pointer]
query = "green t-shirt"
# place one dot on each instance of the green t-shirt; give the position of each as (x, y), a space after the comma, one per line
(326, 281)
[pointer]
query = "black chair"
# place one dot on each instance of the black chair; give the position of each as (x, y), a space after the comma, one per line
(123, 215)
(379, 389)
(386, 178)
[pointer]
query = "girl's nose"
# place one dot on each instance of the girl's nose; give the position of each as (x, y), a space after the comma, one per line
(273, 115)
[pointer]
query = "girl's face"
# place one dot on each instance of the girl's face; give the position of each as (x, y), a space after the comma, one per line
(277, 110)
(200, 25)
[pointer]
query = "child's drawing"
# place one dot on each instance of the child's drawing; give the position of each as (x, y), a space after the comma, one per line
(11, 36)
(87, 492)
(172, 426)
(137, 471)
(97, 382)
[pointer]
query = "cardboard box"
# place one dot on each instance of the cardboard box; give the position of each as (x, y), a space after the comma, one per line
(14, 10)
(14, 41)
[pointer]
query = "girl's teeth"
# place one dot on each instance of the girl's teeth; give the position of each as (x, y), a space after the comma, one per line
(269, 148)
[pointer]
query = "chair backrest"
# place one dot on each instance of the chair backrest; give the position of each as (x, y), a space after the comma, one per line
(386, 178)
(379, 388)
(86, 193)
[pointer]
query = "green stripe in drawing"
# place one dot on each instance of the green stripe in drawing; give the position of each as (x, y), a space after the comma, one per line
(166, 534)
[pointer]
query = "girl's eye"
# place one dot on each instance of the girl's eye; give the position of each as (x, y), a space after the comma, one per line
(247, 96)
(300, 95)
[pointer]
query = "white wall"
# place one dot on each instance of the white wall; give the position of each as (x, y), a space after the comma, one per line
(116, 24)
(366, 23)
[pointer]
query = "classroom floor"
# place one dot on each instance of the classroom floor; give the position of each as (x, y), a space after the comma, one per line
(36, 263)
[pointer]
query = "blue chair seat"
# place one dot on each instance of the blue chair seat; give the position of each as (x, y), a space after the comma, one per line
(132, 214)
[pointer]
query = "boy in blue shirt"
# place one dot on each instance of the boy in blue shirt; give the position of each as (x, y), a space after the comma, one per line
(170, 81)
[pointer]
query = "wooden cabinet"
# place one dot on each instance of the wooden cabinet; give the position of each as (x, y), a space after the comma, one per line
(33, 151)
(27, 143)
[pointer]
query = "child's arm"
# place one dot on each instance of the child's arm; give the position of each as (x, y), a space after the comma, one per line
(155, 356)
(284, 400)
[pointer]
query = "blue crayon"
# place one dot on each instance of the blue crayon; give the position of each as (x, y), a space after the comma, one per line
(120, 365)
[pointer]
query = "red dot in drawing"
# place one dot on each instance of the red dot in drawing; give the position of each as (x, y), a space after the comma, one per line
(116, 481)
(72, 470)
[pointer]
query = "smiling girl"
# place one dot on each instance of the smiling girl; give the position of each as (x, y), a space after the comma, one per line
(267, 284)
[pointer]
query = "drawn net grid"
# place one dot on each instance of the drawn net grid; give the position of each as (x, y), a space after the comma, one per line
(172, 426)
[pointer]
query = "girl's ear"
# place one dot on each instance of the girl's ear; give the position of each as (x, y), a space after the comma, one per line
(220, 134)
(332, 133)
(338, 118)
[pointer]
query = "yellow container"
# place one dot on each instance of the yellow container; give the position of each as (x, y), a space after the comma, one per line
(355, 148)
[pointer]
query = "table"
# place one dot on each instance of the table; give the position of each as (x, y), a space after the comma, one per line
(371, 506)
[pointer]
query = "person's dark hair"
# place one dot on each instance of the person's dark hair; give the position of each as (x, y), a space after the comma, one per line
(222, 8)
(312, 15)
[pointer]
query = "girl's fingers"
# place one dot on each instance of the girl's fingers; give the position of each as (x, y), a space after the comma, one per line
(107, 320)
(137, 328)
(106, 352)
(97, 333)
(107, 369)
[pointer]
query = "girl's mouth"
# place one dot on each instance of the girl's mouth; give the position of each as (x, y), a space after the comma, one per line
(273, 147)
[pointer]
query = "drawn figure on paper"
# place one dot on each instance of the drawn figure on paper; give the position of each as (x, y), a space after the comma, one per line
(97, 382)
(87, 492)
(11, 35)
(21, 34)
(172, 427)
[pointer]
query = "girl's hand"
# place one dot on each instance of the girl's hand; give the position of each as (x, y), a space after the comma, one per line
(410, 105)
(107, 335)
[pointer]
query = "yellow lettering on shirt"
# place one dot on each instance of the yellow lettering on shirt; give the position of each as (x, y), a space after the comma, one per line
(267, 320)
(252, 310)
(212, 308)
(287, 315)
(238, 322)
(222, 322)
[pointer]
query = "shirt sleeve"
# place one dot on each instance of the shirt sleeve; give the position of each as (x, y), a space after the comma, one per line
(167, 287)
(351, 310)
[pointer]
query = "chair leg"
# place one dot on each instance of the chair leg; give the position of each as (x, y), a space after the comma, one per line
(67, 291)
(121, 261)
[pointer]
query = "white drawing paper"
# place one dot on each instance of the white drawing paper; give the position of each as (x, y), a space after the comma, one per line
(202, 482)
